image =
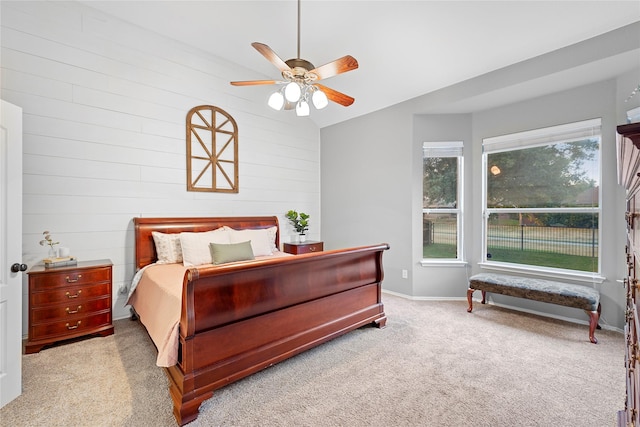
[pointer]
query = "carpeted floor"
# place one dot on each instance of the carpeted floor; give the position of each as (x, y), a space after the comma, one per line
(433, 365)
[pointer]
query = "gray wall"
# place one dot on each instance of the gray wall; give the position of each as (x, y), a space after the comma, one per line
(371, 171)
(365, 188)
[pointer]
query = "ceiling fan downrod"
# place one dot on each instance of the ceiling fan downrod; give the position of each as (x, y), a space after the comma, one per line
(299, 32)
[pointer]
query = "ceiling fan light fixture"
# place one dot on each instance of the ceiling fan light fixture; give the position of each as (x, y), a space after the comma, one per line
(276, 100)
(319, 99)
(292, 92)
(302, 109)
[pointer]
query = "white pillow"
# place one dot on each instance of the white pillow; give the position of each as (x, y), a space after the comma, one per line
(195, 246)
(168, 247)
(260, 241)
(271, 232)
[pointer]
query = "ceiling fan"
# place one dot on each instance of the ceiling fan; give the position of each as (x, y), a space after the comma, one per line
(300, 86)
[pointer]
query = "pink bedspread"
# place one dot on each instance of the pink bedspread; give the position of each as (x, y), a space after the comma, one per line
(157, 301)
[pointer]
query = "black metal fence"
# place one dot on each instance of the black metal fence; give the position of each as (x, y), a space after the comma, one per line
(561, 240)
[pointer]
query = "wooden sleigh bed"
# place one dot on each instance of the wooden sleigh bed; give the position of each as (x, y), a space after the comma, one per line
(241, 317)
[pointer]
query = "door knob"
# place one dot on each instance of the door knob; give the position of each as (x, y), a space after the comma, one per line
(18, 267)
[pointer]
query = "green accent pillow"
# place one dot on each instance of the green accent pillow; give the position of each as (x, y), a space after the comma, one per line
(228, 252)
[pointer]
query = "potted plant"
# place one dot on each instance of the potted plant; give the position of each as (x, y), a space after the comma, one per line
(300, 222)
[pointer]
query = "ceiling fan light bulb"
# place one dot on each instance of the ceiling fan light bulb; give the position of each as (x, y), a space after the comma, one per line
(292, 92)
(276, 101)
(302, 109)
(319, 99)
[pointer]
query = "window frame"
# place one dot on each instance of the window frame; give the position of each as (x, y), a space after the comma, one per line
(446, 149)
(535, 138)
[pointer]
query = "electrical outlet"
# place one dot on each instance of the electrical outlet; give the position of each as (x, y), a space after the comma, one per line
(405, 274)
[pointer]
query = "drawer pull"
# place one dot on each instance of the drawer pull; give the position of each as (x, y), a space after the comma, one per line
(70, 280)
(74, 326)
(74, 296)
(69, 311)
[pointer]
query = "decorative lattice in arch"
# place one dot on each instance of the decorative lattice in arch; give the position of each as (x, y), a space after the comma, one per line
(212, 150)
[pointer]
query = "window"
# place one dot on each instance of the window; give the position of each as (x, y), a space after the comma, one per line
(542, 198)
(442, 201)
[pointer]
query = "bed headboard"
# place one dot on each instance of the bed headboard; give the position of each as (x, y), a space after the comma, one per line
(145, 248)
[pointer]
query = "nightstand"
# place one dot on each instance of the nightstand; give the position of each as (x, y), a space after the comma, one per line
(303, 247)
(69, 302)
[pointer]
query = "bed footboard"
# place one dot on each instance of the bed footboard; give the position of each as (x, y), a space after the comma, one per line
(240, 319)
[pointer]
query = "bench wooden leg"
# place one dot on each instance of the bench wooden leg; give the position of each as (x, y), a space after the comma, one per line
(594, 317)
(470, 299)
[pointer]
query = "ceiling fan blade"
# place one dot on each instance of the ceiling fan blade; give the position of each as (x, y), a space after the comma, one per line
(335, 96)
(339, 66)
(271, 56)
(255, 82)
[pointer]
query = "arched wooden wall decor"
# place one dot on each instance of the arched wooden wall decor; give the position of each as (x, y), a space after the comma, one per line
(212, 150)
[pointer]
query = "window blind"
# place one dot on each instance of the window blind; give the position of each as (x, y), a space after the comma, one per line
(544, 136)
(442, 149)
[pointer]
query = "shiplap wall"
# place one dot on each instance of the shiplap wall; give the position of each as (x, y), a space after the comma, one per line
(104, 107)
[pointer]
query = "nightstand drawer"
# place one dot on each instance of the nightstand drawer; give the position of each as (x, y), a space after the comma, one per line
(70, 294)
(69, 328)
(43, 282)
(70, 310)
(303, 248)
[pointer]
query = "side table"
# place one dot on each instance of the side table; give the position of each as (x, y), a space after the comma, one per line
(69, 302)
(303, 247)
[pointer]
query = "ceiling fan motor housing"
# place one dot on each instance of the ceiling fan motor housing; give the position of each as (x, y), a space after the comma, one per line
(299, 67)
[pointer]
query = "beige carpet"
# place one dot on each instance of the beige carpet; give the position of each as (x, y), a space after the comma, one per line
(433, 365)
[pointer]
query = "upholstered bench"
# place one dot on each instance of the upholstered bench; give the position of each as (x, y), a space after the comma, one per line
(575, 296)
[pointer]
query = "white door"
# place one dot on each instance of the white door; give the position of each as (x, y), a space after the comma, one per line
(10, 252)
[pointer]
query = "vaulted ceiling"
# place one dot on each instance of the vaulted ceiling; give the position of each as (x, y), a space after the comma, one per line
(405, 49)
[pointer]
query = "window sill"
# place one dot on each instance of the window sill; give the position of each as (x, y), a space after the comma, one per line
(443, 263)
(546, 272)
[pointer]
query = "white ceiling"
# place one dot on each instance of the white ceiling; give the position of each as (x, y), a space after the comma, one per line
(404, 48)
